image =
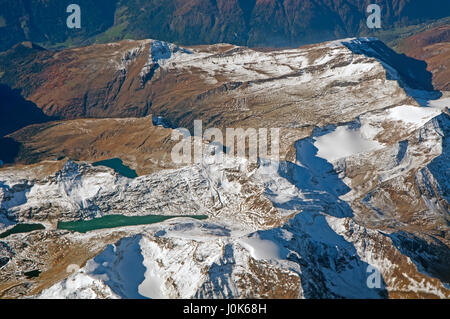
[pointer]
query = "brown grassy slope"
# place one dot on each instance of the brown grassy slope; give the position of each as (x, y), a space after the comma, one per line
(432, 46)
(137, 142)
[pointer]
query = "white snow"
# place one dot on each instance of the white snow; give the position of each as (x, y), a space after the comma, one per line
(354, 70)
(344, 142)
(246, 65)
(414, 115)
(441, 103)
(354, 41)
(177, 257)
(78, 286)
(128, 57)
(260, 248)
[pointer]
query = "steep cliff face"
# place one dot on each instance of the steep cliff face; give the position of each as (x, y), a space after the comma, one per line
(189, 22)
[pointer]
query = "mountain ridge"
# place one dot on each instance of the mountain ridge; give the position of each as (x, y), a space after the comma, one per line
(361, 186)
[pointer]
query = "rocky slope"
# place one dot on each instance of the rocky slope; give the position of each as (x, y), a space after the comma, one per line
(322, 252)
(223, 85)
(130, 139)
(433, 47)
(362, 184)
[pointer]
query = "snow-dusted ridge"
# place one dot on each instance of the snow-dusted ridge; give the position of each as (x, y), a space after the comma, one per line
(318, 253)
(310, 229)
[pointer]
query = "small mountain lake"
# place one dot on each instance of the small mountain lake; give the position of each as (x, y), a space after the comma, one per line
(21, 228)
(118, 166)
(114, 221)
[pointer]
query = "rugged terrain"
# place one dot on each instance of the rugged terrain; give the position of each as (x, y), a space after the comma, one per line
(433, 47)
(191, 22)
(362, 181)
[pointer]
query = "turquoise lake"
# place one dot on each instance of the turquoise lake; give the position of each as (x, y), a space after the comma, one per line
(114, 221)
(22, 228)
(118, 166)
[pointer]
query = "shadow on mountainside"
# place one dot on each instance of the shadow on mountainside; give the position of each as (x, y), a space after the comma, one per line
(9, 149)
(330, 265)
(220, 273)
(15, 114)
(440, 166)
(433, 257)
(411, 74)
(430, 258)
(316, 179)
(122, 265)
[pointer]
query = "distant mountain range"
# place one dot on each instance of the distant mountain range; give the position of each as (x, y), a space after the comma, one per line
(253, 23)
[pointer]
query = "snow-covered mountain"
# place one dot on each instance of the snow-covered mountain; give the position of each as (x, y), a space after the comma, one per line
(361, 188)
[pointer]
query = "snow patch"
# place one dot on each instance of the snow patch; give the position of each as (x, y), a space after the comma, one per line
(414, 115)
(260, 248)
(344, 142)
(78, 286)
